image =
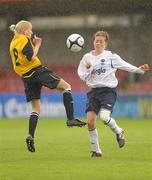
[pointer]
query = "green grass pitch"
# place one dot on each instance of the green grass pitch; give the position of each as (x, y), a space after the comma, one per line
(64, 153)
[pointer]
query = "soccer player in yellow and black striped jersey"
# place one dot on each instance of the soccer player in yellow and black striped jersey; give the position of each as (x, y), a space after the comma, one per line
(26, 64)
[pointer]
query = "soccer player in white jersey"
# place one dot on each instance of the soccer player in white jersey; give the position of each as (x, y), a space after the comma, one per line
(97, 68)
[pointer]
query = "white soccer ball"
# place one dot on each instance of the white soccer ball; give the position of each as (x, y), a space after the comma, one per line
(75, 42)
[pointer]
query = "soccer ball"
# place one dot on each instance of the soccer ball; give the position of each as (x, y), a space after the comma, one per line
(75, 42)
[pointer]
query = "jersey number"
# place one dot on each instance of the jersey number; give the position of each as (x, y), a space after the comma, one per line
(16, 56)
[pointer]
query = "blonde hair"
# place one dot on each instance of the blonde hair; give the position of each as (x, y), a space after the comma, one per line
(102, 33)
(20, 26)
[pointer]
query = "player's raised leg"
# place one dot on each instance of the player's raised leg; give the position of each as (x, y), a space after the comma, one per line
(105, 115)
(68, 103)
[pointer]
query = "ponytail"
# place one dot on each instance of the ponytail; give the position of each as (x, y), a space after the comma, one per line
(13, 28)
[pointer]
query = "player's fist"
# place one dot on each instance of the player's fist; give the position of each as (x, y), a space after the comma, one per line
(87, 64)
(144, 67)
(37, 40)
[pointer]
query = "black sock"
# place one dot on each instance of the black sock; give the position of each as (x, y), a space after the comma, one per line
(32, 123)
(68, 103)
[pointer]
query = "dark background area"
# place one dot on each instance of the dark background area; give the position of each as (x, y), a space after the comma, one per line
(137, 36)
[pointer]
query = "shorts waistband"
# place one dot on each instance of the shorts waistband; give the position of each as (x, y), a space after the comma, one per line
(31, 71)
(103, 88)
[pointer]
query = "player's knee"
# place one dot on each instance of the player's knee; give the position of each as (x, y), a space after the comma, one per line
(105, 115)
(63, 85)
(36, 107)
(91, 119)
(68, 87)
(91, 124)
(37, 110)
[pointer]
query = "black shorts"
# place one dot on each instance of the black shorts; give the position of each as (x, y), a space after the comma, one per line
(99, 98)
(35, 79)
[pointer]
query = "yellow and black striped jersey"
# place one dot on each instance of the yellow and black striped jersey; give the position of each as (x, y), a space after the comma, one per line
(21, 51)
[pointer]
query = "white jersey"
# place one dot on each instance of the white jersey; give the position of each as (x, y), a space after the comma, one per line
(103, 69)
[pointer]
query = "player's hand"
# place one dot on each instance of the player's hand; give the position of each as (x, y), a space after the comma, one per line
(37, 40)
(37, 43)
(144, 67)
(87, 64)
